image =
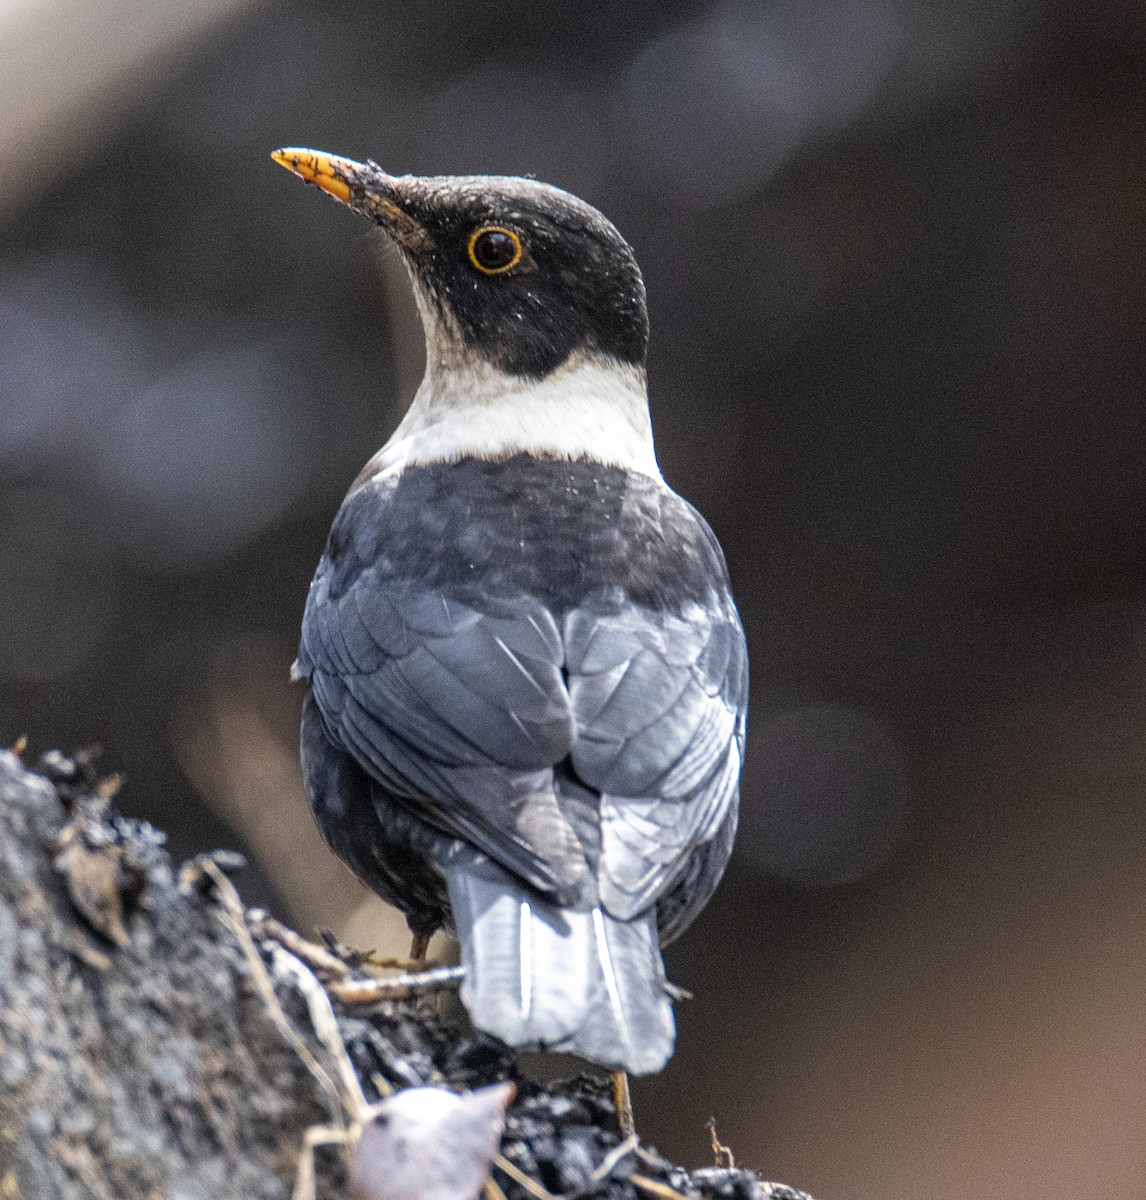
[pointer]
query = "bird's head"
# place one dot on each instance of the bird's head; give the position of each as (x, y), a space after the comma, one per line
(534, 314)
(512, 272)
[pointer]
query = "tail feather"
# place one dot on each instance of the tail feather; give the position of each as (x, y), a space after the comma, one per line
(542, 977)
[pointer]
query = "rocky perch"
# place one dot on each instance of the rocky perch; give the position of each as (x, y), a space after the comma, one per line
(159, 1042)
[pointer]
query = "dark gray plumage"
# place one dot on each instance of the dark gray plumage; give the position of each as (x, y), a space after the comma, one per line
(528, 685)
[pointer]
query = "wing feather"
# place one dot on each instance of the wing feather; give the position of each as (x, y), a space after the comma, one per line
(660, 702)
(461, 713)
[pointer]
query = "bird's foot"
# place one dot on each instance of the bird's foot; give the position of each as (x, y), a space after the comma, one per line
(322, 960)
(336, 965)
(369, 960)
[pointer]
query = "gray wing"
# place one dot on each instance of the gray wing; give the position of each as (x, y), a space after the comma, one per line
(660, 703)
(465, 709)
(461, 712)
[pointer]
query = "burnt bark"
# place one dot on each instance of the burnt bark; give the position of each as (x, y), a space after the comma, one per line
(140, 1060)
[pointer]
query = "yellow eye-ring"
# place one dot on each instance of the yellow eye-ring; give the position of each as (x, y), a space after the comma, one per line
(494, 249)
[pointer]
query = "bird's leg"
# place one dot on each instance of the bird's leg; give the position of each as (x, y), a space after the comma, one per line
(419, 946)
(624, 1103)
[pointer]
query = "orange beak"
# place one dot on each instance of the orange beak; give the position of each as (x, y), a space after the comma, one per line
(364, 187)
(326, 171)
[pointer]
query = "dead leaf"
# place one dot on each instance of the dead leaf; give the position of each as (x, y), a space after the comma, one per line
(92, 876)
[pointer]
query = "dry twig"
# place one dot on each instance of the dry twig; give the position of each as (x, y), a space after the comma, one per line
(722, 1155)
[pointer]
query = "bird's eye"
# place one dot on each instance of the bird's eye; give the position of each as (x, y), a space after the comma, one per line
(494, 250)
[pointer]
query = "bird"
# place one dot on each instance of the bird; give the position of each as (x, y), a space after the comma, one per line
(527, 676)
(427, 1143)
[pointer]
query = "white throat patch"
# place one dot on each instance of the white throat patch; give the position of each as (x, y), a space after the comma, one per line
(589, 408)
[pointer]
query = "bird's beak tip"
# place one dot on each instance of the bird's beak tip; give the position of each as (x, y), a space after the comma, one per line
(326, 171)
(364, 187)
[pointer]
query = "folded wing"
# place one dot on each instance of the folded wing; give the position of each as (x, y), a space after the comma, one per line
(659, 700)
(479, 714)
(463, 713)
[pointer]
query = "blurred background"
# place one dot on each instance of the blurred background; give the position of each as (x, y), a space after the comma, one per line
(895, 261)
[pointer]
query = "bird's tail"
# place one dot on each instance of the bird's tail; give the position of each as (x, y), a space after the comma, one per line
(543, 977)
